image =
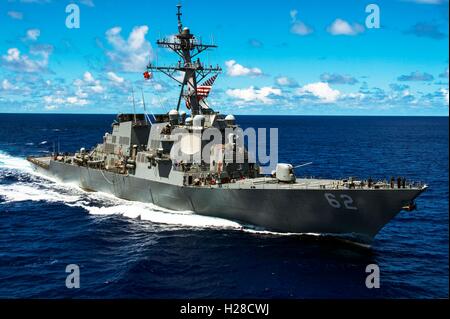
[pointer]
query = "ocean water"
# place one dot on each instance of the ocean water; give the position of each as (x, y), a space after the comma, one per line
(135, 250)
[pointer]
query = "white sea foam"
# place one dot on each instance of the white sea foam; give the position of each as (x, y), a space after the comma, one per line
(155, 214)
(10, 162)
(22, 192)
(73, 196)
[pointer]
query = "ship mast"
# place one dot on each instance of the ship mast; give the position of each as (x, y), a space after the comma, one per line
(187, 46)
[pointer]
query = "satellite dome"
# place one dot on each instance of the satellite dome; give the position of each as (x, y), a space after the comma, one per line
(230, 119)
(173, 117)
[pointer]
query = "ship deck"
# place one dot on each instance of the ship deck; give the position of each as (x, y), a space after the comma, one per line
(315, 184)
(272, 183)
(43, 162)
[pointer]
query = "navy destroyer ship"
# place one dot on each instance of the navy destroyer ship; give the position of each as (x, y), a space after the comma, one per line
(136, 162)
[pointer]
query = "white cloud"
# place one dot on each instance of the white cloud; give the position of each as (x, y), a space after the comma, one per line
(76, 100)
(13, 55)
(235, 69)
(97, 89)
(321, 90)
(33, 34)
(81, 94)
(253, 94)
(88, 83)
(7, 86)
(132, 54)
(285, 81)
(51, 107)
(335, 78)
(342, 27)
(416, 76)
(445, 94)
(15, 15)
(87, 77)
(299, 27)
(115, 78)
(179, 76)
(15, 61)
(356, 96)
(52, 101)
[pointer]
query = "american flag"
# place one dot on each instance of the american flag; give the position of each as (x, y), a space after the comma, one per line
(204, 89)
(203, 92)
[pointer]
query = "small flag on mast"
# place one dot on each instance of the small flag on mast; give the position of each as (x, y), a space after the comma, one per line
(148, 75)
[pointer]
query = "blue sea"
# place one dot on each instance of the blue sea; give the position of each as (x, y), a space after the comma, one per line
(135, 250)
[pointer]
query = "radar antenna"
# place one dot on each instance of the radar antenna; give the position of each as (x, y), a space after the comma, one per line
(179, 14)
(186, 46)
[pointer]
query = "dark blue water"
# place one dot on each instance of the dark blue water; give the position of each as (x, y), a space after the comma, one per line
(45, 226)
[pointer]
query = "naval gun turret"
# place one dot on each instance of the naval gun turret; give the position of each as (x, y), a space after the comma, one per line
(285, 173)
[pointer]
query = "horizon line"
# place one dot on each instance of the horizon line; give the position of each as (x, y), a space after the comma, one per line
(277, 115)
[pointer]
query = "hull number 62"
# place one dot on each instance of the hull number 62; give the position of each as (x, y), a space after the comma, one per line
(344, 201)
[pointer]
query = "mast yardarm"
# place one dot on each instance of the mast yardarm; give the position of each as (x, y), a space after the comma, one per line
(187, 46)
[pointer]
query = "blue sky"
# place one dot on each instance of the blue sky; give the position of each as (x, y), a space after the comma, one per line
(278, 57)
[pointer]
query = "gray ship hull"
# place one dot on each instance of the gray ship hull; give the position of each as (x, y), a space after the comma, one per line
(289, 210)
